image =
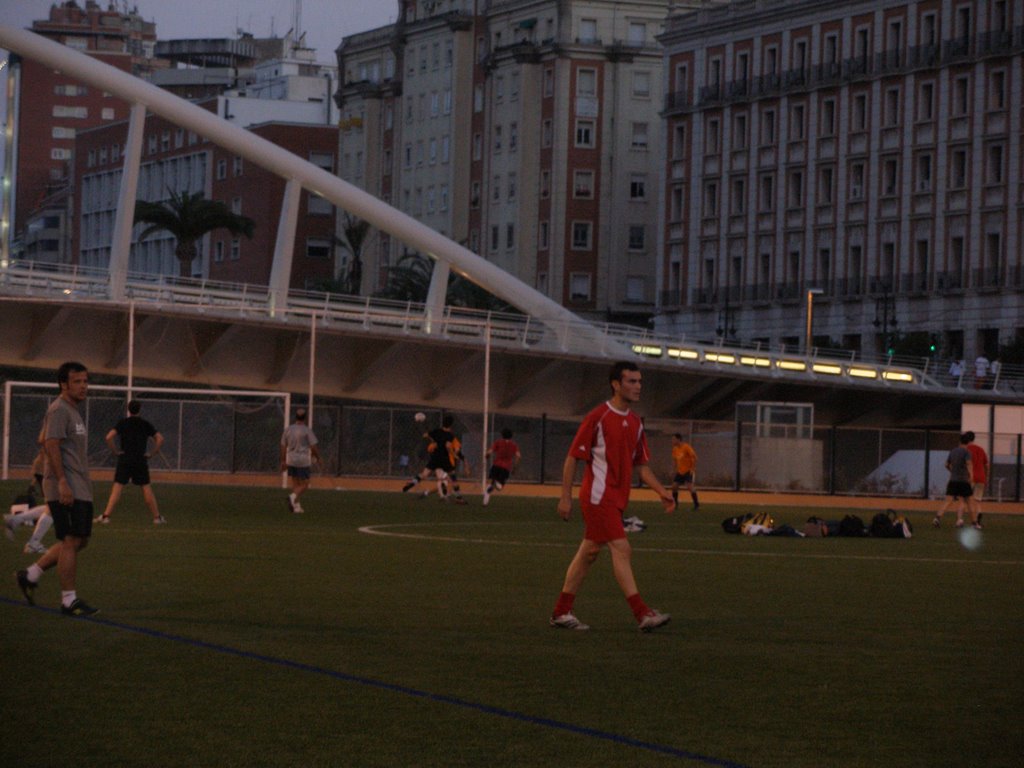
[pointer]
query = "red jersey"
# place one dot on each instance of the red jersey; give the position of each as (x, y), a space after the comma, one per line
(612, 443)
(979, 463)
(503, 453)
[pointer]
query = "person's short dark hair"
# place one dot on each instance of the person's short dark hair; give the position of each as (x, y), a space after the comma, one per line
(506, 433)
(134, 406)
(677, 436)
(617, 369)
(964, 439)
(970, 436)
(300, 414)
(66, 369)
(447, 421)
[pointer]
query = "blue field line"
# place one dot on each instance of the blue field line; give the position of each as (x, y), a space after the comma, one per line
(369, 682)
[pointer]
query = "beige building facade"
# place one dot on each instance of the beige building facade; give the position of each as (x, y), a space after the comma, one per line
(859, 158)
(530, 131)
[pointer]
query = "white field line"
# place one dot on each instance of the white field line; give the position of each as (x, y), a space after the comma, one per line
(385, 530)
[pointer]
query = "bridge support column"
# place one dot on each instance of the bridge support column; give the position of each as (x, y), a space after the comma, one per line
(284, 247)
(436, 295)
(124, 220)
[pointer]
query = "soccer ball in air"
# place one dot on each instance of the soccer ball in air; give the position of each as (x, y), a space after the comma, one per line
(420, 417)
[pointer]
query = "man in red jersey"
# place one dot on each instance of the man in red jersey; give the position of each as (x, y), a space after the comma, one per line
(979, 472)
(506, 456)
(611, 441)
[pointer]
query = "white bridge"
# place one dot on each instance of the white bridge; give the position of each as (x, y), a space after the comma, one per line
(544, 360)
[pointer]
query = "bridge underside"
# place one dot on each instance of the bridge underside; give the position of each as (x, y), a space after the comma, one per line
(187, 348)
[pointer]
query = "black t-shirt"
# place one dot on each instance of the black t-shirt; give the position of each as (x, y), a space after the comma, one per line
(134, 432)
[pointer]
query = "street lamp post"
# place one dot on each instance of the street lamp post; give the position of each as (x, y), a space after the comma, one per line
(811, 293)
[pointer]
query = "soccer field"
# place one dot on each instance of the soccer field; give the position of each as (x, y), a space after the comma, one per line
(381, 630)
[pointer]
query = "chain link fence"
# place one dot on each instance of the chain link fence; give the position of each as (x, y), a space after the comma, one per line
(242, 434)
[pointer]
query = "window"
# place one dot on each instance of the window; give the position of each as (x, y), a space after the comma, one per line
(60, 154)
(739, 196)
(474, 195)
(857, 181)
(797, 125)
(958, 169)
(432, 151)
(545, 183)
(639, 136)
(579, 286)
(444, 197)
(637, 237)
(638, 186)
(549, 82)
(543, 236)
(581, 231)
(637, 33)
(511, 187)
(546, 133)
(435, 104)
(585, 133)
(924, 172)
(961, 95)
(860, 112)
(712, 136)
(586, 82)
(510, 236)
(588, 31)
(926, 102)
(825, 185)
(892, 107)
(767, 194)
(499, 88)
(768, 127)
(478, 146)
(445, 148)
(679, 142)
(641, 85)
(795, 195)
(710, 199)
(107, 113)
(739, 130)
(218, 251)
(513, 136)
(890, 175)
(828, 117)
(222, 169)
(236, 249)
(997, 90)
(583, 184)
(496, 190)
(495, 237)
(994, 165)
(62, 133)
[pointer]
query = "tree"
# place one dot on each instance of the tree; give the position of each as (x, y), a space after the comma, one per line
(188, 217)
(409, 280)
(355, 231)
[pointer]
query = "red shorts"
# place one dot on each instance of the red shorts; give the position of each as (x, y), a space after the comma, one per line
(601, 522)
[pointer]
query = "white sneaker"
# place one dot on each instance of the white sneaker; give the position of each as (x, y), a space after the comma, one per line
(159, 520)
(487, 498)
(297, 508)
(567, 621)
(634, 527)
(653, 620)
(32, 547)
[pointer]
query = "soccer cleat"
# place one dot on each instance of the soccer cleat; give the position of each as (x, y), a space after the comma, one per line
(696, 507)
(654, 619)
(159, 520)
(78, 608)
(102, 519)
(976, 526)
(33, 547)
(567, 621)
(407, 486)
(27, 587)
(936, 522)
(634, 527)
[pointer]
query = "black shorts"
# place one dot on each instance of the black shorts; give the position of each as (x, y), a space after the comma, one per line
(960, 490)
(683, 479)
(300, 473)
(134, 470)
(499, 475)
(439, 463)
(74, 518)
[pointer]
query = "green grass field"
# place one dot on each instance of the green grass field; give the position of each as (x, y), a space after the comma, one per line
(378, 630)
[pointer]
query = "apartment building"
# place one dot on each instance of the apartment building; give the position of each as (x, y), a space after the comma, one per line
(856, 161)
(46, 110)
(528, 131)
(179, 160)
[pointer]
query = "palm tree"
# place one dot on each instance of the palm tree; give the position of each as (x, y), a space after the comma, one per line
(188, 216)
(409, 280)
(355, 231)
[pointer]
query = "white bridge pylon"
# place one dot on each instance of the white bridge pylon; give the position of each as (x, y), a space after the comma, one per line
(446, 253)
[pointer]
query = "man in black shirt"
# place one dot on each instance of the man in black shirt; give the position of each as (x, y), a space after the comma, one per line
(133, 434)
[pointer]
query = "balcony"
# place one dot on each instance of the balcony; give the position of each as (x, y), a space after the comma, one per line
(949, 282)
(678, 101)
(987, 278)
(914, 282)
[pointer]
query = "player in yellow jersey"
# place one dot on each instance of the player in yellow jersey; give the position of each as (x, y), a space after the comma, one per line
(685, 460)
